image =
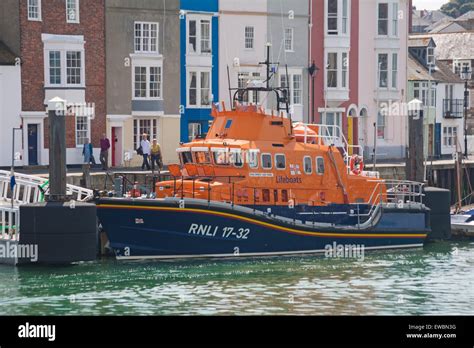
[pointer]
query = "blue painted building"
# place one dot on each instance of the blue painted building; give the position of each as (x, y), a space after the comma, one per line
(199, 49)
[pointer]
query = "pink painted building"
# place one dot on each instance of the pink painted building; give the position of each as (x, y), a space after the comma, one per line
(360, 49)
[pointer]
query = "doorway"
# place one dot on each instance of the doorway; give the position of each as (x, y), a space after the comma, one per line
(33, 144)
(117, 147)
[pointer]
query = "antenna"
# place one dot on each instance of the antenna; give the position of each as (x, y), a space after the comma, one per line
(230, 89)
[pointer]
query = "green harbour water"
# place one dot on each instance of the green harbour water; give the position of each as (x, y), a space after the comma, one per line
(435, 280)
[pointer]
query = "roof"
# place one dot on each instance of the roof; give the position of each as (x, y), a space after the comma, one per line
(419, 41)
(436, 16)
(7, 57)
(445, 26)
(466, 16)
(443, 72)
(416, 71)
(450, 46)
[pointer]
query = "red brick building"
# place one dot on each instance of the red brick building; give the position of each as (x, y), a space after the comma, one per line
(61, 44)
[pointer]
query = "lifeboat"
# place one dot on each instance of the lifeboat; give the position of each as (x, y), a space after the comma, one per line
(258, 184)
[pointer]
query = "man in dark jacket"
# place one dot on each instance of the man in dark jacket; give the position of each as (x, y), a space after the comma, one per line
(104, 151)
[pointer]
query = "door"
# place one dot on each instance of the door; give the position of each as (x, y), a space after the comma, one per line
(33, 144)
(116, 146)
(438, 140)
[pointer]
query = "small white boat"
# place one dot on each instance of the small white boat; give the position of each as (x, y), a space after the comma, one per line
(463, 224)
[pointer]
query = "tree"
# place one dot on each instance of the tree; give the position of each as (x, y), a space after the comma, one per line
(456, 8)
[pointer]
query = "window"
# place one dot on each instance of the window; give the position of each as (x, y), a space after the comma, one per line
(82, 130)
(295, 90)
(280, 161)
(308, 165)
(199, 36)
(319, 165)
(288, 39)
(266, 195)
(194, 130)
(383, 70)
(450, 136)
(383, 19)
(34, 10)
(147, 82)
(199, 89)
(333, 120)
(221, 156)
(332, 70)
(72, 11)
(146, 37)
(344, 16)
(266, 161)
(236, 158)
(243, 79)
(73, 67)
(186, 157)
(420, 91)
(395, 19)
(380, 125)
(430, 57)
(460, 65)
(141, 126)
(284, 195)
(249, 37)
(394, 69)
(252, 158)
(55, 67)
(202, 157)
(332, 17)
(345, 63)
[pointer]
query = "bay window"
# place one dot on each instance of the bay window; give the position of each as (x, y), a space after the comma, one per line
(199, 88)
(387, 19)
(337, 17)
(199, 35)
(387, 70)
(337, 72)
(147, 82)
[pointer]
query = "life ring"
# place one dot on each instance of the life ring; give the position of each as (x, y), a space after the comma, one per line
(356, 164)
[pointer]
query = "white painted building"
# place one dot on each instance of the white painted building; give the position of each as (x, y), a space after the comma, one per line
(10, 106)
(242, 45)
(383, 51)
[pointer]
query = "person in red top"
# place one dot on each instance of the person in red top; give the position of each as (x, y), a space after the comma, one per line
(104, 151)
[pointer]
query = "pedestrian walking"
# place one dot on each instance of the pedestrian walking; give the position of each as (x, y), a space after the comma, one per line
(156, 156)
(88, 153)
(104, 151)
(146, 150)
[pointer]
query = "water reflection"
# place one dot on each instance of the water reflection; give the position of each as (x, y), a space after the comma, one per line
(435, 280)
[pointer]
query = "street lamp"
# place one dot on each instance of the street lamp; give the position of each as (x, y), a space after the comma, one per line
(465, 76)
(313, 71)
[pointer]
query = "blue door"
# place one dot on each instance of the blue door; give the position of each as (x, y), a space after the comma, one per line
(438, 140)
(33, 144)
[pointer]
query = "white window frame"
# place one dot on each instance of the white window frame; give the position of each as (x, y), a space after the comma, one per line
(343, 21)
(137, 133)
(88, 134)
(390, 70)
(28, 5)
(339, 69)
(249, 37)
(198, 19)
(381, 126)
(148, 39)
(63, 67)
(291, 38)
(460, 64)
(291, 77)
(337, 122)
(198, 72)
(393, 23)
(194, 126)
(148, 66)
(450, 134)
(250, 96)
(76, 19)
(430, 56)
(421, 87)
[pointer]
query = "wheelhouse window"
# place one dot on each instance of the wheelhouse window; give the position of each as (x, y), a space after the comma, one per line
(308, 165)
(202, 157)
(266, 161)
(252, 158)
(186, 157)
(221, 157)
(319, 165)
(280, 161)
(34, 10)
(72, 11)
(236, 158)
